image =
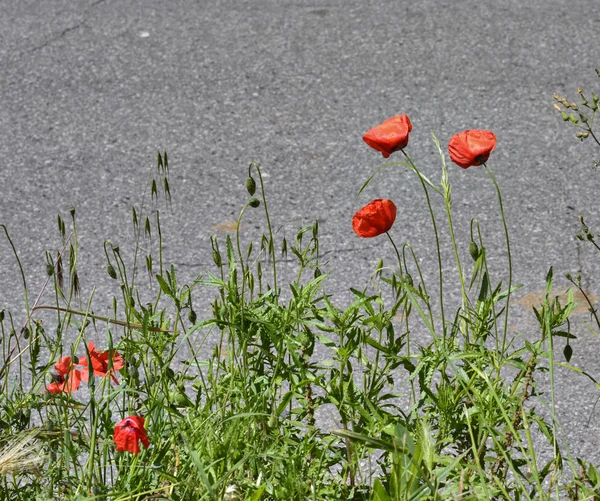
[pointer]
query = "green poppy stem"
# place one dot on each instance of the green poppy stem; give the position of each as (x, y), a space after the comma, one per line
(509, 255)
(437, 239)
(396, 249)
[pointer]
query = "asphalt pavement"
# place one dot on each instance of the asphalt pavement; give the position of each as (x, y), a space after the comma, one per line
(90, 91)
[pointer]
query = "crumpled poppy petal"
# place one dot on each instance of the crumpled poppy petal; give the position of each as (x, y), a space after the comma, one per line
(390, 136)
(63, 366)
(471, 147)
(128, 433)
(69, 378)
(100, 363)
(375, 218)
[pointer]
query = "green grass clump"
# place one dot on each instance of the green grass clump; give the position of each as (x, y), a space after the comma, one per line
(242, 418)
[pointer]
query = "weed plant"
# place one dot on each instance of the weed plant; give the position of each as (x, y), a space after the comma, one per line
(112, 416)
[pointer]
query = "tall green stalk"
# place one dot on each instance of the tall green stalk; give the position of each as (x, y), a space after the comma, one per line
(509, 256)
(414, 168)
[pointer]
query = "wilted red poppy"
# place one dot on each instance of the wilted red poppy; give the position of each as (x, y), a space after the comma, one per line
(390, 136)
(129, 432)
(100, 362)
(471, 147)
(67, 378)
(375, 218)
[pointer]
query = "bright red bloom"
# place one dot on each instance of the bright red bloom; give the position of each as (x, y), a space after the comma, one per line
(100, 362)
(67, 378)
(129, 432)
(471, 147)
(375, 218)
(390, 136)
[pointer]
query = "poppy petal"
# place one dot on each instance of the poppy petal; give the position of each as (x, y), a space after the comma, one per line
(471, 147)
(375, 218)
(390, 136)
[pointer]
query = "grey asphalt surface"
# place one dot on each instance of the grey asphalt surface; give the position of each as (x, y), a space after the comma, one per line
(90, 91)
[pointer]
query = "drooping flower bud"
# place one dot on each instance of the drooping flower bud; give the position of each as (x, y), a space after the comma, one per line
(474, 250)
(568, 352)
(111, 271)
(254, 202)
(251, 185)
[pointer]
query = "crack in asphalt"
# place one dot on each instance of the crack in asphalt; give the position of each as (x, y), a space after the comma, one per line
(64, 32)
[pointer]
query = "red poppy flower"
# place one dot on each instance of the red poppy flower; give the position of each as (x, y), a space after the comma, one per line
(100, 362)
(129, 432)
(390, 136)
(67, 378)
(375, 218)
(471, 147)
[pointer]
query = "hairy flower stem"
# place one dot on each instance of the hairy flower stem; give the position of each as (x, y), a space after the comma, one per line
(465, 299)
(397, 253)
(437, 238)
(271, 241)
(509, 256)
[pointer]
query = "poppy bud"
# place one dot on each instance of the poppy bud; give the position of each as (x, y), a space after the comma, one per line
(251, 185)
(25, 332)
(474, 250)
(254, 202)
(216, 257)
(568, 352)
(72, 211)
(49, 269)
(192, 316)
(1, 316)
(111, 271)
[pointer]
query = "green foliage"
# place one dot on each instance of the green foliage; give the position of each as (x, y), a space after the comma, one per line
(241, 417)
